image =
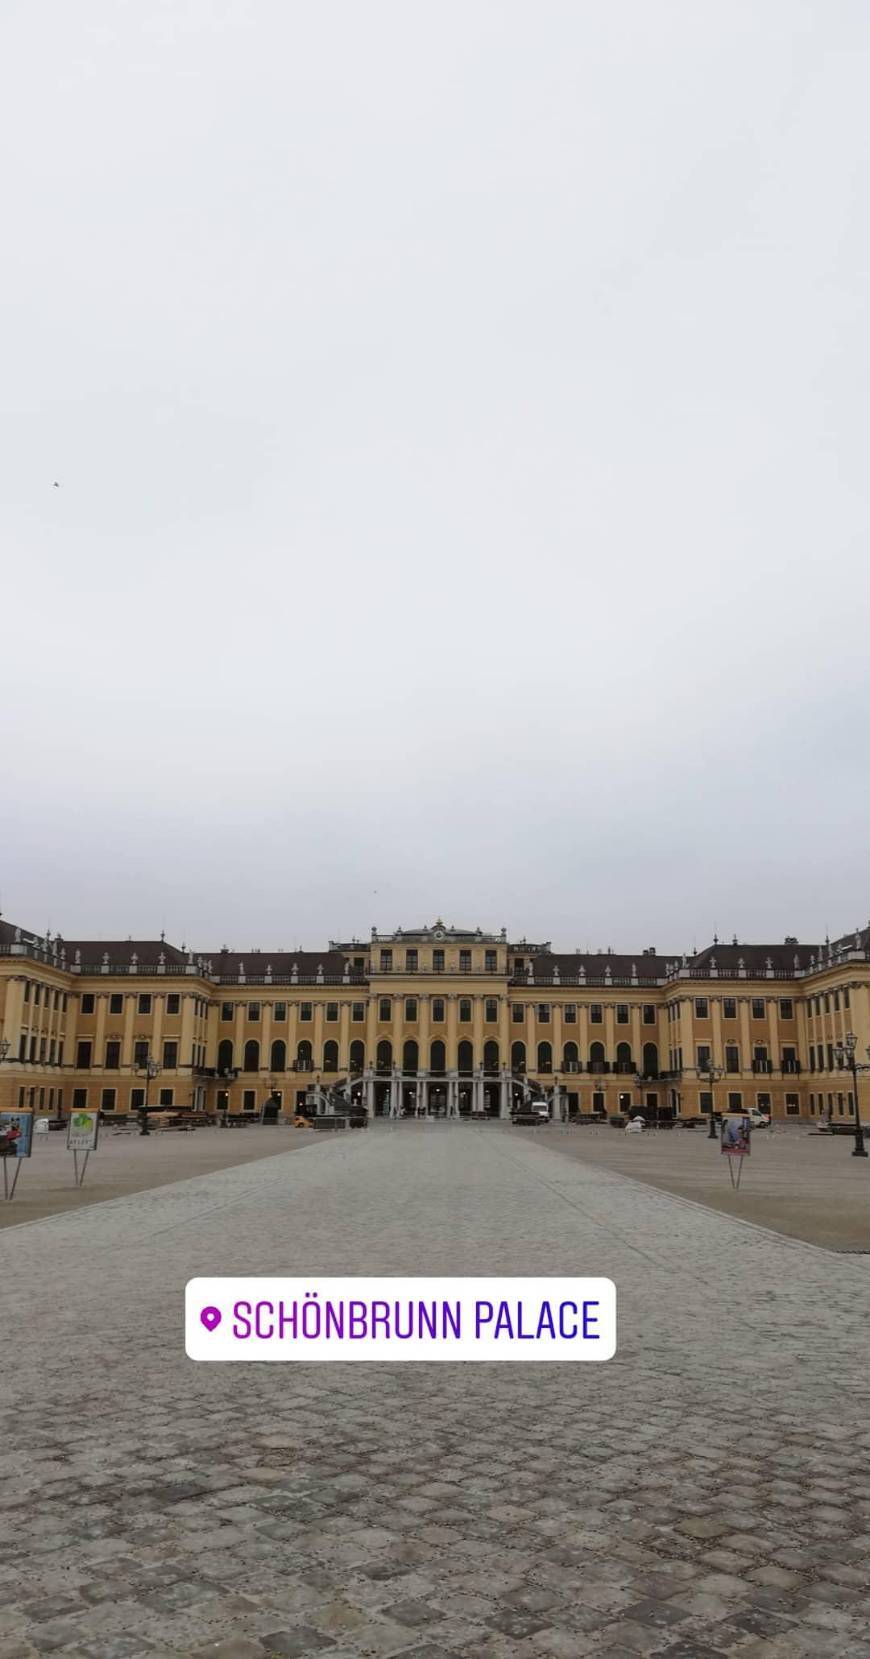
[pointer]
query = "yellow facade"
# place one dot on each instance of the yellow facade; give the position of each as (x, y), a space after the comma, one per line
(436, 1018)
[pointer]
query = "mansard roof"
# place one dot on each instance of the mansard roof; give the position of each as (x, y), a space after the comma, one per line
(594, 966)
(782, 958)
(254, 963)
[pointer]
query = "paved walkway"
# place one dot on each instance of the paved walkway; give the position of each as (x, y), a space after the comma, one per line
(706, 1493)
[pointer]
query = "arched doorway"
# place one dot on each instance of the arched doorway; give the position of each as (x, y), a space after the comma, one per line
(252, 1055)
(278, 1057)
(545, 1057)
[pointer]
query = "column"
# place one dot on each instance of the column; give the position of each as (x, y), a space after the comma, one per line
(556, 1014)
(745, 1043)
(716, 1047)
(154, 1047)
(423, 1093)
(100, 1031)
(317, 1038)
(185, 1046)
(370, 1091)
(503, 1096)
(344, 1036)
(531, 1038)
(452, 1094)
(477, 1031)
(609, 1037)
(292, 1037)
(636, 1037)
(266, 1038)
(583, 1035)
(423, 1031)
(452, 1011)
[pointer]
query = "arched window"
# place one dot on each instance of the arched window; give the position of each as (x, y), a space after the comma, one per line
(650, 1060)
(545, 1057)
(410, 1056)
(437, 1058)
(252, 1055)
(624, 1061)
(490, 1057)
(330, 1055)
(384, 1060)
(465, 1058)
(225, 1056)
(518, 1057)
(303, 1056)
(464, 1010)
(570, 1057)
(357, 1056)
(597, 1061)
(278, 1061)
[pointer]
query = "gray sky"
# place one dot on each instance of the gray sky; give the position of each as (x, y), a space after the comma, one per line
(460, 413)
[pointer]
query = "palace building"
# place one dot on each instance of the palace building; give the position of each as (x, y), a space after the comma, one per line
(434, 1018)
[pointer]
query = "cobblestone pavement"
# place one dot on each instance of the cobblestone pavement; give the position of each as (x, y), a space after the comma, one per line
(706, 1493)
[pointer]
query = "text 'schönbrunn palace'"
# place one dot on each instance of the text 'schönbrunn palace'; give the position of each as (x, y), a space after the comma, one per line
(435, 1019)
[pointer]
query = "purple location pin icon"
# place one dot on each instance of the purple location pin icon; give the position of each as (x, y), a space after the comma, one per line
(211, 1318)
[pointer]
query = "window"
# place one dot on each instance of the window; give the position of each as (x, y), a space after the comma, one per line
(170, 1056)
(762, 1101)
(705, 1101)
(793, 1105)
(83, 1056)
(226, 1010)
(386, 961)
(438, 1010)
(465, 961)
(702, 1011)
(846, 997)
(278, 1056)
(359, 961)
(137, 1099)
(27, 990)
(253, 1010)
(144, 1002)
(622, 1013)
(490, 1012)
(411, 1009)
(330, 1055)
(357, 1012)
(249, 1100)
(37, 995)
(827, 1003)
(140, 1053)
(836, 1002)
(735, 1102)
(758, 1008)
(51, 1048)
(519, 964)
(649, 1014)
(116, 1003)
(703, 1056)
(465, 1010)
(569, 1013)
(517, 1013)
(87, 1002)
(786, 1008)
(332, 1012)
(113, 1056)
(491, 962)
(305, 1012)
(166, 1097)
(57, 999)
(596, 1016)
(279, 1012)
(385, 1009)
(438, 961)
(251, 1060)
(544, 1013)
(732, 1057)
(107, 1099)
(173, 1004)
(411, 961)
(80, 1098)
(42, 1048)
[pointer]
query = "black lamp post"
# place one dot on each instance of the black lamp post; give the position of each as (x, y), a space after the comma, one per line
(845, 1052)
(148, 1069)
(712, 1074)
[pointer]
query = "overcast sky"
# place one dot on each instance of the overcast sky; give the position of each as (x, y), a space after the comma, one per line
(460, 419)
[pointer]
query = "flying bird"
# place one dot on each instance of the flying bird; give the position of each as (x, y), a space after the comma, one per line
(56, 485)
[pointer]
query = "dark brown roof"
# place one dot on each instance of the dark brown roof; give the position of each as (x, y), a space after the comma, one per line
(255, 963)
(755, 957)
(596, 966)
(120, 952)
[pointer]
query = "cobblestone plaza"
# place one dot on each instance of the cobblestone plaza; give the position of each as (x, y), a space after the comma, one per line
(706, 1492)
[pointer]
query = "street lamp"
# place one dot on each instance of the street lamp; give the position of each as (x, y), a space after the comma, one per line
(845, 1052)
(148, 1069)
(712, 1074)
(5, 1046)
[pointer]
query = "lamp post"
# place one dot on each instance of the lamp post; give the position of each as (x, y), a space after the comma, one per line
(845, 1052)
(149, 1069)
(5, 1046)
(712, 1074)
